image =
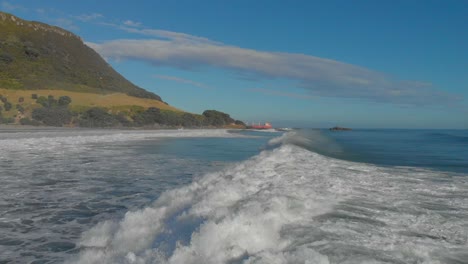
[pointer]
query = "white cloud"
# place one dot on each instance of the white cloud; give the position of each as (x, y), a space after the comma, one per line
(65, 23)
(131, 23)
(169, 35)
(135, 27)
(88, 17)
(282, 94)
(182, 80)
(41, 11)
(7, 6)
(318, 76)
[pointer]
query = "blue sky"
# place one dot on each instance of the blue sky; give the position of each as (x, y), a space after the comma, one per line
(367, 64)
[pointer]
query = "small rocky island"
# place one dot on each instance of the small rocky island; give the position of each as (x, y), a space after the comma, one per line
(337, 128)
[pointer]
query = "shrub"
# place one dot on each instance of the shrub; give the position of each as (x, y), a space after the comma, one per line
(20, 108)
(34, 96)
(6, 120)
(7, 106)
(42, 101)
(21, 99)
(51, 101)
(31, 52)
(64, 100)
(6, 58)
(150, 116)
(56, 116)
(29, 122)
(122, 119)
(97, 117)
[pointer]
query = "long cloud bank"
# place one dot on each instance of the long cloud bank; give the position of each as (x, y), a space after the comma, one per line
(318, 76)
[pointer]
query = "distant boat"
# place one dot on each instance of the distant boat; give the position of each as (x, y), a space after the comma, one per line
(264, 126)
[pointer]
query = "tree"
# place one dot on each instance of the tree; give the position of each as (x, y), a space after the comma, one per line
(51, 101)
(52, 116)
(238, 122)
(150, 116)
(42, 101)
(170, 118)
(123, 120)
(64, 100)
(7, 106)
(190, 120)
(97, 117)
(217, 118)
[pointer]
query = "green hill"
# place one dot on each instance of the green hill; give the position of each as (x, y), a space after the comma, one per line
(49, 77)
(35, 56)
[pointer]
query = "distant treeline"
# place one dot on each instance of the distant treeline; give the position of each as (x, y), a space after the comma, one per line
(56, 112)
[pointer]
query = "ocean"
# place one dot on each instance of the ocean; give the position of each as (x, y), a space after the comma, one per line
(220, 196)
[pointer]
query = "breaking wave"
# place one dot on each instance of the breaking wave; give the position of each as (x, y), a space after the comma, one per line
(313, 140)
(292, 205)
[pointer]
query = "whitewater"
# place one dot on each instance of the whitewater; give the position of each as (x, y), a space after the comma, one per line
(219, 196)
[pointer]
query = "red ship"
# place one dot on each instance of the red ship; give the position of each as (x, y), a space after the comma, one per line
(264, 126)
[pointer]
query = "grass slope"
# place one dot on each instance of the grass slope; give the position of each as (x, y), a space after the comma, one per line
(82, 101)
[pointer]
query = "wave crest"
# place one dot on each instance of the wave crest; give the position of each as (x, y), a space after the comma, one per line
(312, 140)
(291, 205)
(234, 215)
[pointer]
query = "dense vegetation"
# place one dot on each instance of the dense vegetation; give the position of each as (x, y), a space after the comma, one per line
(150, 118)
(50, 111)
(34, 55)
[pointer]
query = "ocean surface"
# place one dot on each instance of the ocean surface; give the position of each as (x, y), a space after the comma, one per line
(219, 196)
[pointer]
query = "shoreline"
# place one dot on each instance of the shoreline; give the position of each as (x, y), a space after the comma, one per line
(15, 127)
(9, 127)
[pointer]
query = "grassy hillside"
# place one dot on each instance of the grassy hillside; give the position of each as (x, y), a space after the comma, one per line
(81, 101)
(67, 108)
(87, 99)
(36, 56)
(49, 77)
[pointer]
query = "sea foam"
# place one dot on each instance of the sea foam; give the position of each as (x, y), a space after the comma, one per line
(285, 205)
(290, 205)
(233, 215)
(54, 140)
